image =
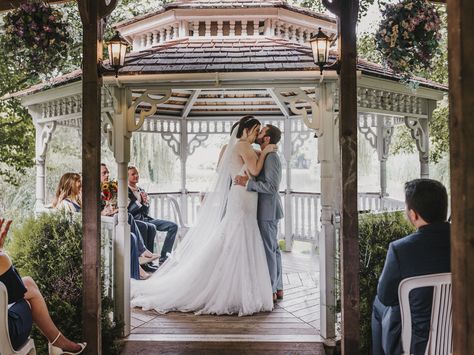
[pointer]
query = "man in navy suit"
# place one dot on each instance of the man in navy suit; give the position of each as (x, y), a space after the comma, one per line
(139, 207)
(427, 251)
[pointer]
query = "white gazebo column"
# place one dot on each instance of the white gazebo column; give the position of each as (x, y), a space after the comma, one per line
(384, 137)
(419, 132)
(43, 135)
(287, 147)
(425, 153)
(121, 147)
(327, 151)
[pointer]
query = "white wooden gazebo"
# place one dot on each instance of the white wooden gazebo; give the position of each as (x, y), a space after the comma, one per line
(196, 67)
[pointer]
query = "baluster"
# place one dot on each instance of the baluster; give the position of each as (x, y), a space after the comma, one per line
(244, 28)
(136, 43)
(195, 28)
(220, 25)
(286, 31)
(208, 29)
(291, 33)
(176, 30)
(149, 42)
(232, 28)
(278, 29)
(300, 37)
(308, 217)
(419, 102)
(142, 41)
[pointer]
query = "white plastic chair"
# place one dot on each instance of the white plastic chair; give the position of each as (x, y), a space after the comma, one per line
(440, 340)
(182, 227)
(6, 347)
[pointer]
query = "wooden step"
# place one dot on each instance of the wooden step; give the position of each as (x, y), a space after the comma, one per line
(144, 344)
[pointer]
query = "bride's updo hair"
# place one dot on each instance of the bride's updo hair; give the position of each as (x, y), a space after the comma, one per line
(248, 123)
(236, 124)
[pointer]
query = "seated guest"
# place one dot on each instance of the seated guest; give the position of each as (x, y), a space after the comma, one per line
(139, 207)
(27, 305)
(68, 193)
(427, 251)
(142, 259)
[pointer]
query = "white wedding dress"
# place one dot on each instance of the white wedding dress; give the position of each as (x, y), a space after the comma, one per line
(220, 267)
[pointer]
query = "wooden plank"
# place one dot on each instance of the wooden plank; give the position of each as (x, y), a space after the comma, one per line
(220, 325)
(224, 348)
(310, 317)
(461, 98)
(348, 10)
(284, 330)
(91, 128)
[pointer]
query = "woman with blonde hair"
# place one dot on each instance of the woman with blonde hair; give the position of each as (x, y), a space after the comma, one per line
(68, 193)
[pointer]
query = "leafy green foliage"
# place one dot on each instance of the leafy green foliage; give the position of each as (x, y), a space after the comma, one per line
(49, 250)
(376, 232)
(17, 136)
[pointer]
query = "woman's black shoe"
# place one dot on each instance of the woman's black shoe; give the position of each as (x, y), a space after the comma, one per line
(149, 267)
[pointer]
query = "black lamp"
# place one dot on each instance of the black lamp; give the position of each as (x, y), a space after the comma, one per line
(320, 45)
(117, 51)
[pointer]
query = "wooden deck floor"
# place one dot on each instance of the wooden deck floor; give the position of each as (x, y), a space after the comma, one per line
(291, 328)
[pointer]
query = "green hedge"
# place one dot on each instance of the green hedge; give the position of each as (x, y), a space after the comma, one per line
(48, 248)
(376, 231)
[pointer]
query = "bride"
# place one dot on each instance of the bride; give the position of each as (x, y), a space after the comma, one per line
(220, 267)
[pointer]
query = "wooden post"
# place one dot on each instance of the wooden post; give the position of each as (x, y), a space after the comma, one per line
(91, 112)
(91, 12)
(461, 88)
(347, 11)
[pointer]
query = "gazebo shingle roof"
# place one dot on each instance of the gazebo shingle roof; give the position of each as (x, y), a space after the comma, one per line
(223, 55)
(220, 55)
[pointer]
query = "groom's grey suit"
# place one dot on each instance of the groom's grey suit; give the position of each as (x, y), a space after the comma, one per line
(269, 212)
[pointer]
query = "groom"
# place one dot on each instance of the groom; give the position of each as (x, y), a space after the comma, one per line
(269, 205)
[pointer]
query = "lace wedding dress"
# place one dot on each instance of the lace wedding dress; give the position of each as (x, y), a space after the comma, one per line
(220, 267)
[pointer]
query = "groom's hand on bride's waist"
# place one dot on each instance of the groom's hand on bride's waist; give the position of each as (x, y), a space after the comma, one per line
(241, 180)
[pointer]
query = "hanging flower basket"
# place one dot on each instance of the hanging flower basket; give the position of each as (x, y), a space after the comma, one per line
(408, 36)
(36, 37)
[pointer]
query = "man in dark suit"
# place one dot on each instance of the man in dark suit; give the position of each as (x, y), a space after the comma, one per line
(427, 251)
(139, 207)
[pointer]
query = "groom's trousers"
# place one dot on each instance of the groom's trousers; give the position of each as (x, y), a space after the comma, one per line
(269, 233)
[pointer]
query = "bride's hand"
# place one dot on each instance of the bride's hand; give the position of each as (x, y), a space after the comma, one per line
(269, 149)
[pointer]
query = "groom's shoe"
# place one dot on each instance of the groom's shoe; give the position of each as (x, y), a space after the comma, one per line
(279, 294)
(274, 297)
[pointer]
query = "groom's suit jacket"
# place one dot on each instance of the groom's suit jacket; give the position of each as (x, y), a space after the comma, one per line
(267, 185)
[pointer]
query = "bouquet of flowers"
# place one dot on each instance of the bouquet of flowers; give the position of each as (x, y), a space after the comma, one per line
(408, 36)
(108, 193)
(35, 36)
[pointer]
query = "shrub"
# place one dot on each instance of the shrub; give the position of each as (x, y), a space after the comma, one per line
(376, 231)
(49, 250)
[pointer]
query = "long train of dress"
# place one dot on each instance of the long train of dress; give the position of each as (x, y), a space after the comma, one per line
(227, 274)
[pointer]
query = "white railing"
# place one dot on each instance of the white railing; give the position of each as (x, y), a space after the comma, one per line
(304, 217)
